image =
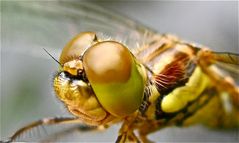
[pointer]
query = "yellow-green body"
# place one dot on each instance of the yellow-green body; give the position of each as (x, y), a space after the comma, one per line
(192, 97)
(198, 89)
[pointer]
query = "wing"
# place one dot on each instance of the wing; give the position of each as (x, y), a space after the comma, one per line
(51, 24)
(228, 63)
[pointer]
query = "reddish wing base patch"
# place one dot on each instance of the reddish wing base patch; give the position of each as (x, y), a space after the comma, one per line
(175, 73)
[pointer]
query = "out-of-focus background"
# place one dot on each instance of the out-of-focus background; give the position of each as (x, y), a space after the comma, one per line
(27, 71)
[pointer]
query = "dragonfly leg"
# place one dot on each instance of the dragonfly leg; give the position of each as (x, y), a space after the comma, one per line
(147, 128)
(221, 82)
(45, 121)
(126, 132)
(127, 137)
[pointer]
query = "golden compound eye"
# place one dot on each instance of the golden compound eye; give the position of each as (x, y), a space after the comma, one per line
(114, 76)
(107, 61)
(75, 48)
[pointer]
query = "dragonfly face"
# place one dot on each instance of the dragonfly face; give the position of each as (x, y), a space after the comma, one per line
(96, 79)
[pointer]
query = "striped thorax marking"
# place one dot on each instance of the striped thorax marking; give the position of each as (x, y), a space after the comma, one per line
(174, 72)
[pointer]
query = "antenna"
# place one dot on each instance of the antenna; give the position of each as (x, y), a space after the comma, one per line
(52, 57)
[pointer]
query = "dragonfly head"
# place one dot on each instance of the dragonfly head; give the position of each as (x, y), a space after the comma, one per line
(99, 80)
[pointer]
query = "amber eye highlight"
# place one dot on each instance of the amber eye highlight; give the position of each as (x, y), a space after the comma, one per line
(77, 46)
(107, 61)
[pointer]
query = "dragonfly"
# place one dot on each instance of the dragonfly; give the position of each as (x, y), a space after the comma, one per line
(125, 72)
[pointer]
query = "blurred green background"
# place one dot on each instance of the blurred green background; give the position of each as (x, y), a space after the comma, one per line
(27, 71)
